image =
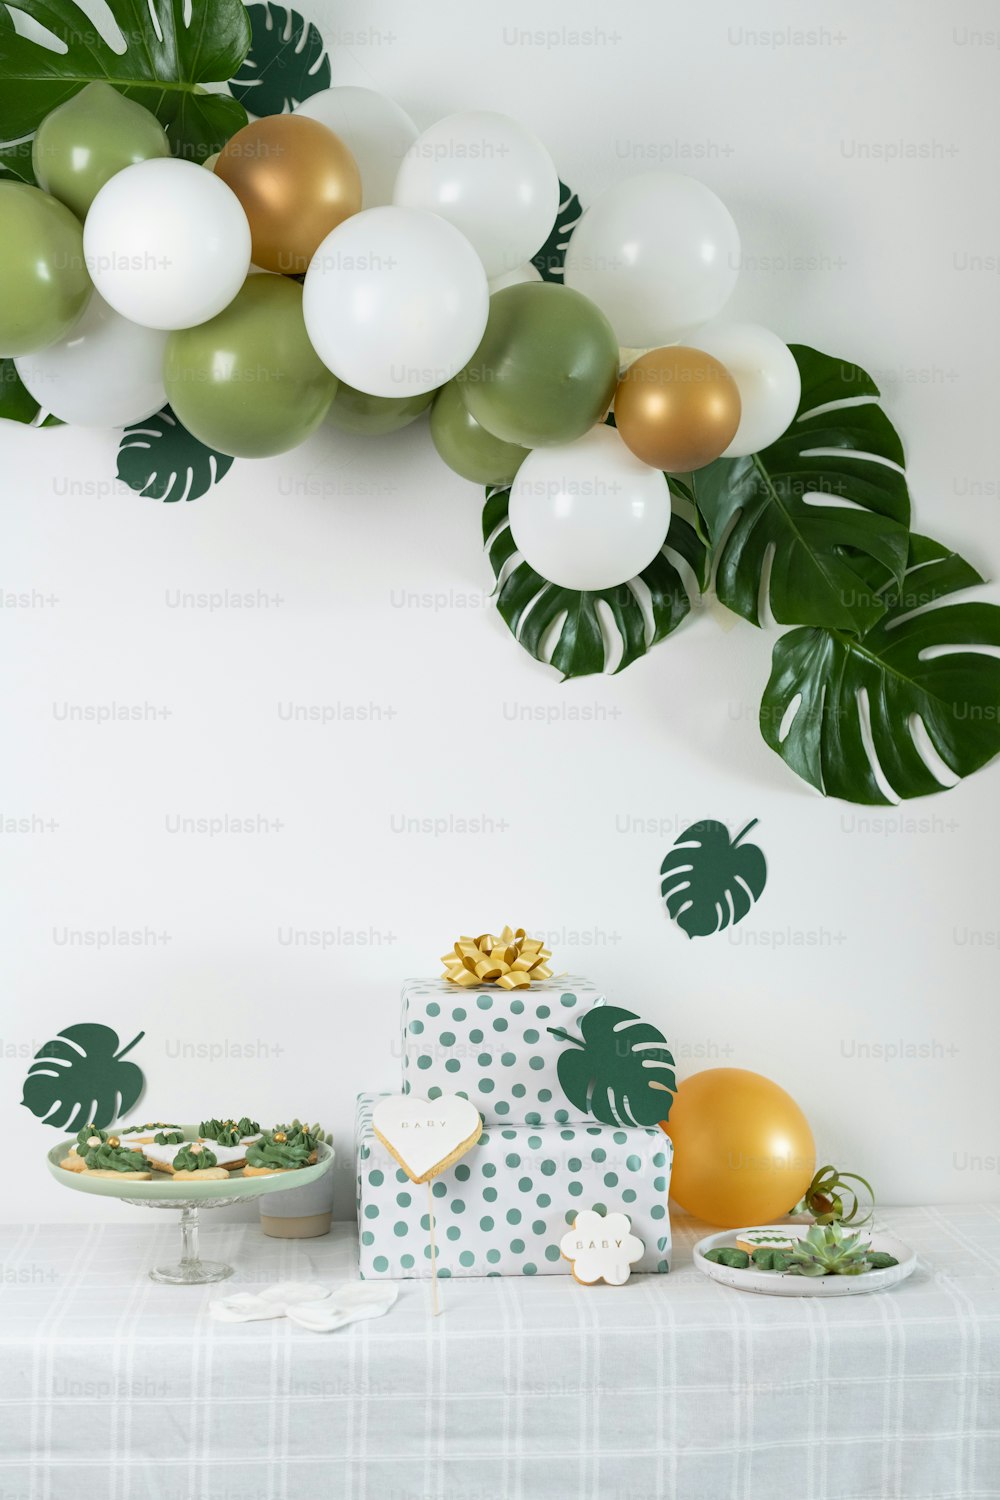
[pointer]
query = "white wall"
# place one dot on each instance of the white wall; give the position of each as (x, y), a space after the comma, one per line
(878, 929)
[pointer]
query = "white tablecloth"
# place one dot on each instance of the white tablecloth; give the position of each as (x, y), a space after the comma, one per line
(114, 1388)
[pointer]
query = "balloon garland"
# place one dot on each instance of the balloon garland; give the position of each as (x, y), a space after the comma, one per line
(220, 286)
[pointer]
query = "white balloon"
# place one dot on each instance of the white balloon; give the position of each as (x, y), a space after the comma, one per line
(166, 243)
(658, 253)
(374, 129)
(589, 514)
(517, 277)
(106, 372)
(768, 378)
(490, 177)
(395, 301)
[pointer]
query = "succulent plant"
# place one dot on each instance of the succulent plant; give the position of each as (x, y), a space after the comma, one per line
(829, 1250)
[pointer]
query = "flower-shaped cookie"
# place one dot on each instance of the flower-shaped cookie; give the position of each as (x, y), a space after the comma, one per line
(601, 1247)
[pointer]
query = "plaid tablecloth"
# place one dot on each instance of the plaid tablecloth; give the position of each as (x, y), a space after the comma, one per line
(118, 1389)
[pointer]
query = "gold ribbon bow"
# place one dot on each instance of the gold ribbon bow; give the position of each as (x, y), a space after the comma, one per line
(511, 960)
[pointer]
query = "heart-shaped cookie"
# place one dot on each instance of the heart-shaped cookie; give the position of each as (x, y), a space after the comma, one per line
(426, 1135)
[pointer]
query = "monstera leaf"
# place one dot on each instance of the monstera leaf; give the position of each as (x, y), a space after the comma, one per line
(709, 883)
(169, 48)
(619, 1069)
(286, 63)
(827, 494)
(551, 258)
(79, 1078)
(161, 460)
(917, 666)
(643, 611)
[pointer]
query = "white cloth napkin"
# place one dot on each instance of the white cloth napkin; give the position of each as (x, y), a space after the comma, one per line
(273, 1302)
(307, 1304)
(350, 1303)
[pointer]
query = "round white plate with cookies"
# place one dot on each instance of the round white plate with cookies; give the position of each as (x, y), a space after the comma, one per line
(784, 1284)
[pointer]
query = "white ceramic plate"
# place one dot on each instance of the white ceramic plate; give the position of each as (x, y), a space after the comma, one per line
(781, 1284)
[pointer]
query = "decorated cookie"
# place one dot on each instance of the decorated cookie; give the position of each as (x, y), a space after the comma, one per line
(768, 1239)
(110, 1158)
(230, 1139)
(163, 1148)
(426, 1136)
(311, 1135)
(276, 1151)
(86, 1140)
(728, 1255)
(148, 1132)
(228, 1132)
(601, 1247)
(195, 1159)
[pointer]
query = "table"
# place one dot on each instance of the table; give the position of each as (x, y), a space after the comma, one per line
(117, 1389)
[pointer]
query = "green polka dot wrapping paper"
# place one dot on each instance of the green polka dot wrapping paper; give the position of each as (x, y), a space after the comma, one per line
(493, 1046)
(503, 1209)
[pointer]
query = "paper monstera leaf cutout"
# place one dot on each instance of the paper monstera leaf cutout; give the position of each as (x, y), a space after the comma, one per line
(709, 882)
(80, 1078)
(619, 1069)
(287, 61)
(161, 460)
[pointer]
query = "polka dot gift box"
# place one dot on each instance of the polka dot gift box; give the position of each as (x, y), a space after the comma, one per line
(503, 1209)
(493, 1046)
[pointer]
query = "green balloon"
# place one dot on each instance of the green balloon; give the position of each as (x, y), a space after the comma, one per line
(355, 411)
(546, 369)
(248, 382)
(84, 142)
(467, 447)
(42, 274)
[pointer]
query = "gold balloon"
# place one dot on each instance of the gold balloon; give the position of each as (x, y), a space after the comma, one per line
(677, 408)
(296, 181)
(743, 1150)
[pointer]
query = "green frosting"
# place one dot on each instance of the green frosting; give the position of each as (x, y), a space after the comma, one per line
(296, 1131)
(271, 1151)
(766, 1258)
(168, 1137)
(150, 1125)
(228, 1132)
(725, 1256)
(108, 1158)
(191, 1159)
(88, 1131)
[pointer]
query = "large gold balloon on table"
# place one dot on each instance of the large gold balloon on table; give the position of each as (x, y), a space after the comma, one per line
(296, 181)
(743, 1150)
(677, 408)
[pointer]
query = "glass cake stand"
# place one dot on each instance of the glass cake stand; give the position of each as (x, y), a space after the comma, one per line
(187, 1197)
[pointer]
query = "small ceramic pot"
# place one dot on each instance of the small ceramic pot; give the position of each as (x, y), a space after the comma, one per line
(299, 1213)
